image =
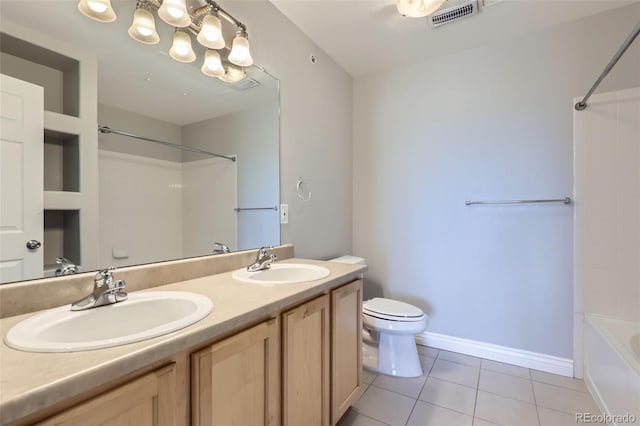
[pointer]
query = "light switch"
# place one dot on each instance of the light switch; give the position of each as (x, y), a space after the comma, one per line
(284, 214)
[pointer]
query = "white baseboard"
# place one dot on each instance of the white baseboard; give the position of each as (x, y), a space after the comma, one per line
(534, 360)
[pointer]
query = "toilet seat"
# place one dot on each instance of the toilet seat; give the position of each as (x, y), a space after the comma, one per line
(392, 310)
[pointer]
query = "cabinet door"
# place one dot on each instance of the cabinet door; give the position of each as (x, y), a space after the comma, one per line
(148, 400)
(346, 347)
(237, 381)
(305, 364)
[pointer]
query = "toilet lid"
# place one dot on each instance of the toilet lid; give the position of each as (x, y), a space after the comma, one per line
(391, 308)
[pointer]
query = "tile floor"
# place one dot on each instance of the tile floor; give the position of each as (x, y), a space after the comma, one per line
(461, 390)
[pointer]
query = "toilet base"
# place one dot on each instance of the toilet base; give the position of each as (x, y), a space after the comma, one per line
(395, 355)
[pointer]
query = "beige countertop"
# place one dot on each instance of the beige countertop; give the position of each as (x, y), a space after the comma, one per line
(32, 381)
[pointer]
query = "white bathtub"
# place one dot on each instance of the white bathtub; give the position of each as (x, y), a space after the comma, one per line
(612, 367)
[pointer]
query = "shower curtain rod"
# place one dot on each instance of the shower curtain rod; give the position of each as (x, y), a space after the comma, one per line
(583, 103)
(105, 129)
(565, 200)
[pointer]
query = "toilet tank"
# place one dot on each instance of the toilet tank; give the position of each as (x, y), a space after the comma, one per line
(354, 260)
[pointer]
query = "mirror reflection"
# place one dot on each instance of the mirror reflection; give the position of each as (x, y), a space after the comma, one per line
(152, 201)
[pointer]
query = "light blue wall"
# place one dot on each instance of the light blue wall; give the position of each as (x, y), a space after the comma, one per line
(488, 123)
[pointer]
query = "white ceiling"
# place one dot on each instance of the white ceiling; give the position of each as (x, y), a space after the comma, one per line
(369, 36)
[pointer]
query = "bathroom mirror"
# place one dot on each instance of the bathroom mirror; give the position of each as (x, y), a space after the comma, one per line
(156, 202)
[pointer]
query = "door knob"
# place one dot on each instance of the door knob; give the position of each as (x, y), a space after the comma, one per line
(33, 244)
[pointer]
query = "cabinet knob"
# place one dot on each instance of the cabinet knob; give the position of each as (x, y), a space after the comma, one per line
(33, 244)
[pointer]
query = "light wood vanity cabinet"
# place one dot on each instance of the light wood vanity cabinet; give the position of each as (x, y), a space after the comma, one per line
(146, 401)
(322, 357)
(237, 380)
(346, 347)
(301, 368)
(305, 364)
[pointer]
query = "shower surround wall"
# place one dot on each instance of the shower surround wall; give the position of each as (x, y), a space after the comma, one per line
(488, 123)
(607, 248)
(154, 203)
(257, 168)
(607, 181)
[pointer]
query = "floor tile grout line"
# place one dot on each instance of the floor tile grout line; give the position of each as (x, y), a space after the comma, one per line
(461, 363)
(446, 408)
(475, 402)
(535, 400)
(372, 418)
(449, 381)
(415, 402)
(561, 387)
(508, 397)
(392, 391)
(528, 370)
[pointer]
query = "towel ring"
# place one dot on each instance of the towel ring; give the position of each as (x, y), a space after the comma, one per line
(304, 193)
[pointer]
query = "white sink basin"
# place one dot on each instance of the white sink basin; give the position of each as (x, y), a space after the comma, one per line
(282, 273)
(142, 316)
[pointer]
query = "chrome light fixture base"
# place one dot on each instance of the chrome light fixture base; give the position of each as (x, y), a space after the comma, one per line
(205, 23)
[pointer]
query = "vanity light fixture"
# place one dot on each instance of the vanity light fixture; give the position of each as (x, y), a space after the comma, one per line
(181, 49)
(174, 13)
(212, 65)
(418, 8)
(210, 34)
(204, 22)
(143, 27)
(98, 10)
(240, 54)
(232, 74)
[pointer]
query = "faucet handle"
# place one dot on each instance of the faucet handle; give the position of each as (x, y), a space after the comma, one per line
(65, 267)
(263, 251)
(62, 261)
(220, 248)
(104, 276)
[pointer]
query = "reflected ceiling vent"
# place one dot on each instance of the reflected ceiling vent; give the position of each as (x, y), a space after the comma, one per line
(245, 84)
(453, 13)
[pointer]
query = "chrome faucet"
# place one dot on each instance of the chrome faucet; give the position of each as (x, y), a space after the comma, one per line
(65, 267)
(263, 260)
(106, 291)
(219, 248)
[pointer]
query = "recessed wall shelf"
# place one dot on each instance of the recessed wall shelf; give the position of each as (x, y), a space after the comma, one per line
(61, 123)
(57, 73)
(61, 237)
(61, 200)
(61, 161)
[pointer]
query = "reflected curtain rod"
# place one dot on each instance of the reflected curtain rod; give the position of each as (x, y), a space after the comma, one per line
(105, 129)
(583, 103)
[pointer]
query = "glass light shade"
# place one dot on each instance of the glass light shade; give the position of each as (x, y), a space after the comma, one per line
(174, 12)
(232, 74)
(210, 34)
(98, 10)
(212, 65)
(143, 28)
(418, 8)
(181, 49)
(240, 54)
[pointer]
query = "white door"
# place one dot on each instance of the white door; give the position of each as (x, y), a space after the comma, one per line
(21, 178)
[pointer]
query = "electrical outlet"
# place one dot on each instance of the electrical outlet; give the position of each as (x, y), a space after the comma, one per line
(284, 214)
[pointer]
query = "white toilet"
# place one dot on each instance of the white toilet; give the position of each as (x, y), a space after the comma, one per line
(389, 329)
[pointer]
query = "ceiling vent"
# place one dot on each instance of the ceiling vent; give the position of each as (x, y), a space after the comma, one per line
(245, 84)
(453, 13)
